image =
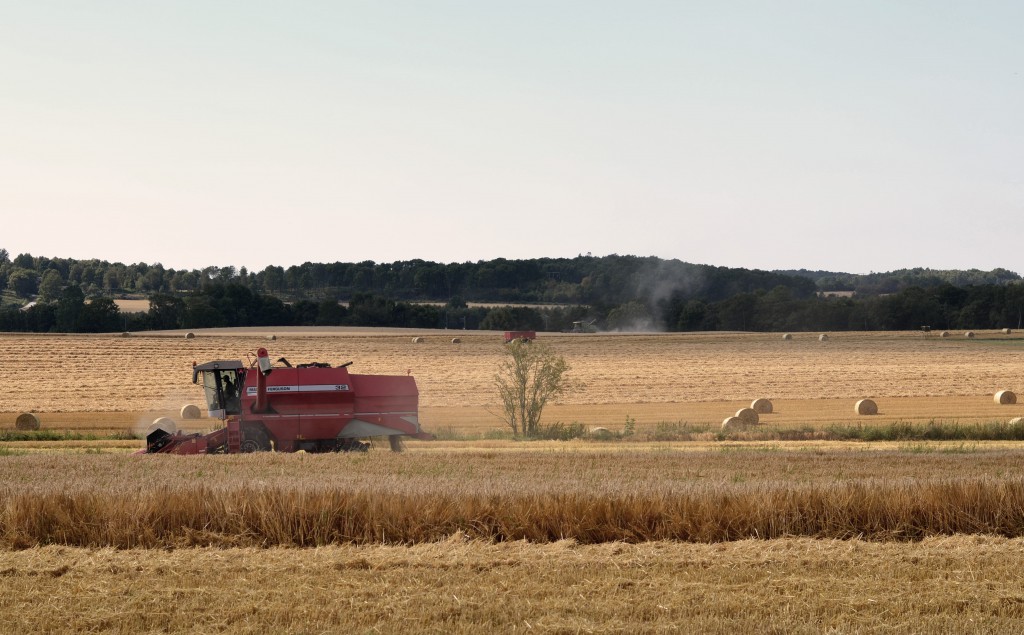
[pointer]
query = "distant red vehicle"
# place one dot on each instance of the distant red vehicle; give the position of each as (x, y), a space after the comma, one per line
(522, 336)
(311, 407)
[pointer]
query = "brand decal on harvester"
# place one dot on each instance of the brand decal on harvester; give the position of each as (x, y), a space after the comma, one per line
(251, 390)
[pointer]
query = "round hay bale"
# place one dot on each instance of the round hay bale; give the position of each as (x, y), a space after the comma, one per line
(1007, 331)
(456, 340)
(1005, 397)
(27, 421)
(761, 406)
(969, 335)
(748, 416)
(866, 407)
(190, 336)
(601, 433)
(126, 334)
(823, 337)
(733, 423)
(271, 338)
(163, 423)
(944, 334)
(190, 411)
(417, 340)
(1016, 421)
(787, 336)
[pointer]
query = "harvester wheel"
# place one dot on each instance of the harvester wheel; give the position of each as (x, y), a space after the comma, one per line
(255, 440)
(396, 443)
(351, 445)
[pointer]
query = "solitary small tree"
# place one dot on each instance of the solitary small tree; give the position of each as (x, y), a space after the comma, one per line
(530, 375)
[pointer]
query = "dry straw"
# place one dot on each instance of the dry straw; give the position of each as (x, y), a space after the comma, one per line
(1007, 331)
(417, 340)
(823, 337)
(748, 416)
(27, 421)
(190, 411)
(271, 338)
(944, 334)
(761, 406)
(1005, 397)
(1016, 421)
(866, 407)
(530, 496)
(787, 336)
(456, 340)
(732, 423)
(969, 334)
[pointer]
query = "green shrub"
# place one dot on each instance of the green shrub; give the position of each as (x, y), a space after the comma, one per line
(560, 432)
(677, 431)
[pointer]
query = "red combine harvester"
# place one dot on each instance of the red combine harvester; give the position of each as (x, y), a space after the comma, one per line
(310, 407)
(520, 336)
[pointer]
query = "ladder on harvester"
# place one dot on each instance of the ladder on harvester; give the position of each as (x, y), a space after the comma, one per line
(234, 436)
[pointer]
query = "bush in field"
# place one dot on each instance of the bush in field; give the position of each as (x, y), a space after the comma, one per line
(561, 431)
(529, 376)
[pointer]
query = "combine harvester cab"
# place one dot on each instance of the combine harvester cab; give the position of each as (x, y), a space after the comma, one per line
(310, 407)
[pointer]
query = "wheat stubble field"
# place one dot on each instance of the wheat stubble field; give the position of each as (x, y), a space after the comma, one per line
(493, 535)
(110, 383)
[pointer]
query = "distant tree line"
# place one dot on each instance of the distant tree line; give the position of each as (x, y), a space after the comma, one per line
(612, 292)
(222, 305)
(896, 281)
(605, 281)
(942, 307)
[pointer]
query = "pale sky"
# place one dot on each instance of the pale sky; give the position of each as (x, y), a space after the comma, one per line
(849, 136)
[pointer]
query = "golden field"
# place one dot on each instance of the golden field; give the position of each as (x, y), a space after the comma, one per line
(961, 584)
(113, 383)
(496, 535)
(296, 500)
(544, 540)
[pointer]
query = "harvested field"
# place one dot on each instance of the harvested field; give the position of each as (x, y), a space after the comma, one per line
(112, 382)
(132, 305)
(497, 535)
(960, 584)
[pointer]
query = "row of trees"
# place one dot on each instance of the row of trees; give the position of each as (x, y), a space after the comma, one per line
(616, 292)
(221, 305)
(896, 281)
(603, 282)
(608, 281)
(943, 307)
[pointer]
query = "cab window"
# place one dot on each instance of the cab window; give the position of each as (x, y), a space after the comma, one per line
(221, 390)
